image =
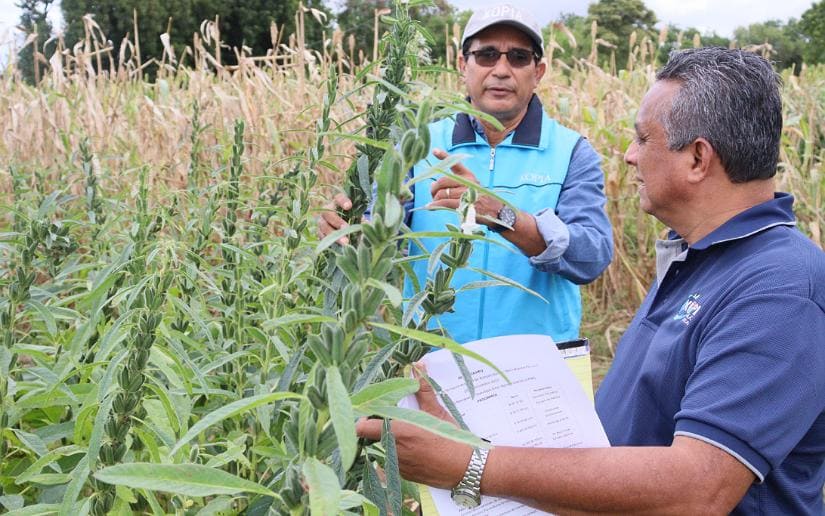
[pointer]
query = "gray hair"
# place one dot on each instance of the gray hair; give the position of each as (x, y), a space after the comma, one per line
(731, 98)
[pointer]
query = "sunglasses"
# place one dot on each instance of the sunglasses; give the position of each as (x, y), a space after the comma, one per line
(517, 57)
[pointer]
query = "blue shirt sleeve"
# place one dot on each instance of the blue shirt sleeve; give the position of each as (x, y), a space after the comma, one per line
(757, 386)
(578, 234)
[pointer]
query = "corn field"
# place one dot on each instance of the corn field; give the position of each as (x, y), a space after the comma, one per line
(175, 336)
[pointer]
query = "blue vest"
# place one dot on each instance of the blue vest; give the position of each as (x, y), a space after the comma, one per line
(528, 169)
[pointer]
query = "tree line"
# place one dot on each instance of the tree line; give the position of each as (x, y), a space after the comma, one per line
(246, 24)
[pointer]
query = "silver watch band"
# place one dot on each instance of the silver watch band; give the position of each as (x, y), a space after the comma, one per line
(471, 483)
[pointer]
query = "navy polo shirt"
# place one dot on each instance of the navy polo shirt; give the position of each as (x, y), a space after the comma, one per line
(729, 348)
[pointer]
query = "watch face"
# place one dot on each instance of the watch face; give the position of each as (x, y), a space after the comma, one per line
(466, 500)
(507, 215)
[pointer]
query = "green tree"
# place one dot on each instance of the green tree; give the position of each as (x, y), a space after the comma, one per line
(783, 43)
(34, 19)
(241, 22)
(571, 32)
(812, 26)
(618, 19)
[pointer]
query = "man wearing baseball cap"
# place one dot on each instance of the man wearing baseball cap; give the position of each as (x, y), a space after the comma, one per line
(550, 173)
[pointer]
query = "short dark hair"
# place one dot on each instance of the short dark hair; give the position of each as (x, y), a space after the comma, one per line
(731, 98)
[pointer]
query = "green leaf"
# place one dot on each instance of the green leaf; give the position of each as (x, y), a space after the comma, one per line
(183, 479)
(343, 419)
(109, 376)
(412, 307)
(12, 502)
(40, 509)
(32, 442)
(79, 475)
(334, 236)
(507, 281)
(230, 410)
(324, 490)
(435, 256)
(291, 319)
(97, 431)
(423, 420)
(388, 392)
(351, 499)
(45, 315)
(391, 469)
(372, 487)
(357, 138)
(220, 506)
(374, 366)
(438, 341)
(49, 459)
(393, 294)
(468, 377)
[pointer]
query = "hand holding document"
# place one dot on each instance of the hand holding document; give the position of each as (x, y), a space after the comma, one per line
(544, 405)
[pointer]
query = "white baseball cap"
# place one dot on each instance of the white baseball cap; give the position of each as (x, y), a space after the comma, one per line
(504, 14)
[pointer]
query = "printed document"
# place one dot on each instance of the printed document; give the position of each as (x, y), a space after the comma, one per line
(543, 405)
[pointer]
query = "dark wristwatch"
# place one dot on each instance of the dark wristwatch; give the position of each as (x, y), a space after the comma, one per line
(507, 216)
(467, 493)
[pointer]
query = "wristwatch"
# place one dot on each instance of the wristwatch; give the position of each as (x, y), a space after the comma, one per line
(467, 493)
(506, 215)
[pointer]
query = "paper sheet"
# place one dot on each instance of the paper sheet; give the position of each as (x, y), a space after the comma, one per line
(544, 405)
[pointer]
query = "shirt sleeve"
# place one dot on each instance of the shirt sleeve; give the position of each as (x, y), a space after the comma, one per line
(757, 386)
(578, 234)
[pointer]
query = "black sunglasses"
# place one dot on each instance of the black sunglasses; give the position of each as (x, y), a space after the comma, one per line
(517, 57)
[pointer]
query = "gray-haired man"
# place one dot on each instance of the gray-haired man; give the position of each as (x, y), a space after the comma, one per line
(715, 402)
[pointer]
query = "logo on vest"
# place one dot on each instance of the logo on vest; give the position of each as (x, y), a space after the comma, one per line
(689, 309)
(533, 178)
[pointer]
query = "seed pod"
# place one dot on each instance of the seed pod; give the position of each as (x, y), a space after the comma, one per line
(194, 454)
(372, 235)
(347, 262)
(107, 454)
(407, 146)
(373, 301)
(357, 349)
(364, 259)
(350, 321)
(314, 396)
(394, 216)
(102, 502)
(318, 347)
(327, 442)
(311, 438)
(291, 434)
(293, 489)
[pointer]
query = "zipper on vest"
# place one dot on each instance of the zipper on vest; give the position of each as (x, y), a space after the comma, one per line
(492, 158)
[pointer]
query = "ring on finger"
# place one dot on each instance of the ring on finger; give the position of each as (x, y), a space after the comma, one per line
(448, 193)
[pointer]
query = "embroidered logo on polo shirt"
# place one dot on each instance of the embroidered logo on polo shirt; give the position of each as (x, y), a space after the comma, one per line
(689, 309)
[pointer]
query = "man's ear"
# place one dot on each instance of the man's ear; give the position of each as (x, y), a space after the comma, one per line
(703, 158)
(541, 69)
(462, 64)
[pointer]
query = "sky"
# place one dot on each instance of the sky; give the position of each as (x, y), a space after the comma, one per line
(707, 15)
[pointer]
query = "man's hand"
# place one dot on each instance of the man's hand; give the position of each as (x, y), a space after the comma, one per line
(423, 456)
(447, 193)
(330, 221)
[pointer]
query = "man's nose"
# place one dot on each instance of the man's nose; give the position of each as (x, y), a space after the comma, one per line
(630, 153)
(502, 66)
